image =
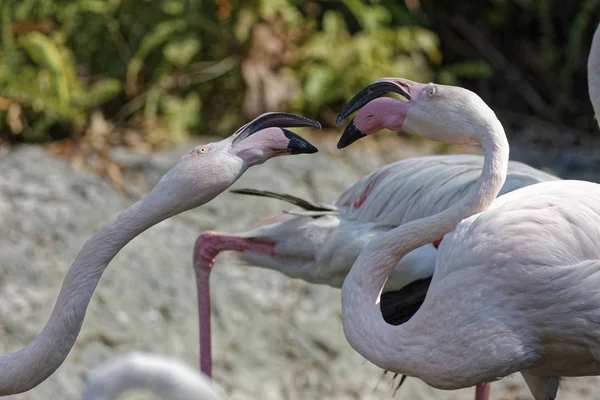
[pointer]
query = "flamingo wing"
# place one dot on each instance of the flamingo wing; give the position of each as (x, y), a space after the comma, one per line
(414, 188)
(313, 209)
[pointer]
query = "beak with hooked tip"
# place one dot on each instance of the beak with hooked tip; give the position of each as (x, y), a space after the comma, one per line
(266, 137)
(373, 91)
(297, 144)
(351, 134)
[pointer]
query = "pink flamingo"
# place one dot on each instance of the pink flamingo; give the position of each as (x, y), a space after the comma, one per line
(319, 242)
(457, 114)
(514, 287)
(196, 178)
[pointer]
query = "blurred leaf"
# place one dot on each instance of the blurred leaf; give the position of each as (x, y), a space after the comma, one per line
(158, 36)
(46, 54)
(97, 94)
(172, 7)
(180, 51)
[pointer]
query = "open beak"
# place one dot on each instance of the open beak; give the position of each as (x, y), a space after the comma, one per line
(266, 137)
(371, 92)
(296, 144)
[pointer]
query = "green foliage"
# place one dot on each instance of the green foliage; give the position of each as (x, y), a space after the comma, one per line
(333, 65)
(173, 66)
(38, 73)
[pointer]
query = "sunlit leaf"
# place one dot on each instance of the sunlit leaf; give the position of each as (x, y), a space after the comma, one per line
(180, 51)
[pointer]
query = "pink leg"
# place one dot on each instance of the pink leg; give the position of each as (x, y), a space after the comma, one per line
(482, 392)
(208, 246)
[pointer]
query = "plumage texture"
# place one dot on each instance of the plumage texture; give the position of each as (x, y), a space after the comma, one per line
(410, 189)
(515, 287)
(320, 242)
(165, 377)
(532, 266)
(322, 250)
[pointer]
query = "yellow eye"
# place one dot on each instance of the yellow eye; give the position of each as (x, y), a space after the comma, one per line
(201, 149)
(431, 92)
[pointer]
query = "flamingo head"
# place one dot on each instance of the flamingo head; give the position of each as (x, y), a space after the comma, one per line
(209, 169)
(448, 114)
(265, 137)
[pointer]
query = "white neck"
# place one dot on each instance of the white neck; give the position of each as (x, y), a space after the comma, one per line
(594, 74)
(26, 368)
(364, 327)
(168, 378)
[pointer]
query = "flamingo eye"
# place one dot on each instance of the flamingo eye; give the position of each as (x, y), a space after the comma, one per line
(431, 92)
(201, 149)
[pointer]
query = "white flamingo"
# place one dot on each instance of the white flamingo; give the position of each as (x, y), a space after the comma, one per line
(195, 179)
(515, 287)
(168, 378)
(319, 242)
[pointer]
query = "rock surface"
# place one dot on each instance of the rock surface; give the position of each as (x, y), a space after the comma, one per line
(274, 337)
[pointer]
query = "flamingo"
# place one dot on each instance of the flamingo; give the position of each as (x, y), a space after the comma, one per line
(195, 179)
(168, 378)
(319, 242)
(516, 278)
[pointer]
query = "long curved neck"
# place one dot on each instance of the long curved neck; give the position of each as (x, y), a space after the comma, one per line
(364, 327)
(166, 377)
(594, 74)
(26, 368)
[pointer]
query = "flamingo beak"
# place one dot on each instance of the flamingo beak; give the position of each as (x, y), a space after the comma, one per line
(297, 144)
(277, 120)
(265, 138)
(351, 134)
(375, 90)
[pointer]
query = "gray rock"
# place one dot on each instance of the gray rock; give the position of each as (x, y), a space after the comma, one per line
(274, 337)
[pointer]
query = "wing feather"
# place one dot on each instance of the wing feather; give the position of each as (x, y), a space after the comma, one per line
(415, 188)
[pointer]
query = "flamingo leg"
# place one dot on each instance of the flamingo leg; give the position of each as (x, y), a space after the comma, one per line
(482, 391)
(208, 246)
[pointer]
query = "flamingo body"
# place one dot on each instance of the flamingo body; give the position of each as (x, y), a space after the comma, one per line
(542, 267)
(322, 246)
(526, 273)
(515, 281)
(320, 242)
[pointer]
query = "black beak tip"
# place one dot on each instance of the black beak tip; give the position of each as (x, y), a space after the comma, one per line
(316, 124)
(350, 135)
(339, 119)
(302, 147)
(309, 149)
(299, 145)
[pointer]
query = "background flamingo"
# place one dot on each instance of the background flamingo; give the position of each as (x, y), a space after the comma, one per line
(512, 286)
(166, 377)
(195, 179)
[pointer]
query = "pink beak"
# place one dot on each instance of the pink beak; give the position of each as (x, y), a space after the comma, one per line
(267, 132)
(371, 92)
